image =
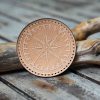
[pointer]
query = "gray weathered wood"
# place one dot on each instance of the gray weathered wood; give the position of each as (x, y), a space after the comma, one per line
(29, 15)
(10, 29)
(8, 94)
(56, 88)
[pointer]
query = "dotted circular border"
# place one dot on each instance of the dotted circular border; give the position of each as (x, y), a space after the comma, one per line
(37, 22)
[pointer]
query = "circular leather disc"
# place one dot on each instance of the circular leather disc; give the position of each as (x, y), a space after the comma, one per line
(46, 47)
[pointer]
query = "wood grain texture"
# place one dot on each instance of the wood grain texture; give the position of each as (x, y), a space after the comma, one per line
(68, 85)
(7, 93)
(84, 29)
(8, 57)
(88, 51)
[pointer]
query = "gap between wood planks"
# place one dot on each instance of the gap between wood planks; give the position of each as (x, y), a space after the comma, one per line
(84, 76)
(5, 39)
(16, 89)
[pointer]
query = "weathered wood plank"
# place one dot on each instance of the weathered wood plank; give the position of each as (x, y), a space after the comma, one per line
(10, 29)
(67, 13)
(26, 15)
(49, 11)
(40, 93)
(52, 4)
(91, 71)
(56, 88)
(45, 10)
(8, 94)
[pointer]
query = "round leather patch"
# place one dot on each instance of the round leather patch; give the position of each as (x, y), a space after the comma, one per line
(46, 47)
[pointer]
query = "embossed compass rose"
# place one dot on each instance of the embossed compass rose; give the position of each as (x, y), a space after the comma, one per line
(46, 47)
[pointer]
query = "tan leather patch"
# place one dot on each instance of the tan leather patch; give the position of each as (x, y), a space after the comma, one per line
(46, 47)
